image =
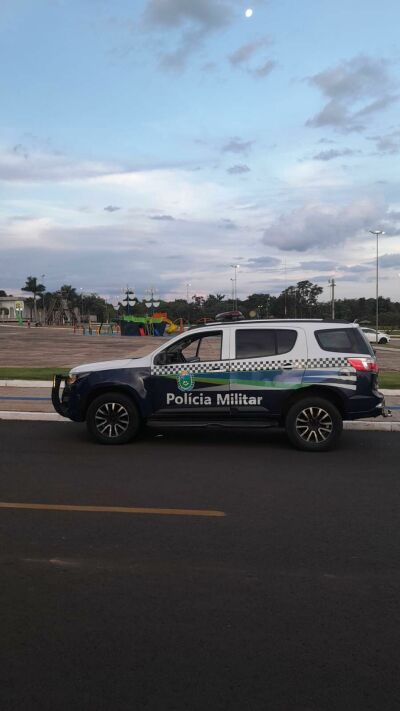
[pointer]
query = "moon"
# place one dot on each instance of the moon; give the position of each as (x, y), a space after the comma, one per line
(248, 12)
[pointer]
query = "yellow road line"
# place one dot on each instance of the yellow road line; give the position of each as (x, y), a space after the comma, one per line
(114, 509)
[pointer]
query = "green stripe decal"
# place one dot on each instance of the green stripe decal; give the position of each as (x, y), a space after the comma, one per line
(226, 378)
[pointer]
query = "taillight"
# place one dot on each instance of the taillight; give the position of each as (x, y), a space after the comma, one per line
(364, 365)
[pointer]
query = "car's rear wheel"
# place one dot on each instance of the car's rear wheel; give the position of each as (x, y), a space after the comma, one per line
(112, 418)
(313, 424)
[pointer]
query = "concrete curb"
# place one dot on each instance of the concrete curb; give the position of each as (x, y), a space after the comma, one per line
(372, 426)
(35, 416)
(54, 417)
(26, 384)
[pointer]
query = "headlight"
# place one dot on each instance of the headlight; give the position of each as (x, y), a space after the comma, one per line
(73, 377)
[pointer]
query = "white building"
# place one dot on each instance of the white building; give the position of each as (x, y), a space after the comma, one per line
(10, 307)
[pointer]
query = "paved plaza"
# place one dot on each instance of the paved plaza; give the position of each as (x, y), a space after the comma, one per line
(59, 347)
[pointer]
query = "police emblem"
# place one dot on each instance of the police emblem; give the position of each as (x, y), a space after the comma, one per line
(185, 381)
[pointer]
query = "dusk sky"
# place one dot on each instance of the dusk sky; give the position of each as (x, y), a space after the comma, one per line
(157, 142)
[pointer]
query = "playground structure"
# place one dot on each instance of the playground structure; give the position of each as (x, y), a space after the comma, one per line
(60, 313)
(156, 325)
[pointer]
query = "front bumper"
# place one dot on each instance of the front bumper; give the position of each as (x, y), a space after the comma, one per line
(60, 404)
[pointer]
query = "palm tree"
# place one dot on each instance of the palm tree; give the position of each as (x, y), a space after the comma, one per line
(32, 286)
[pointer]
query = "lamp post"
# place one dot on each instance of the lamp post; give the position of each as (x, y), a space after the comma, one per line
(129, 298)
(235, 267)
(377, 233)
(332, 285)
(81, 290)
(152, 299)
(187, 301)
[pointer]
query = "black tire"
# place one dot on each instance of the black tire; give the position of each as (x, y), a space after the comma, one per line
(383, 340)
(313, 424)
(112, 418)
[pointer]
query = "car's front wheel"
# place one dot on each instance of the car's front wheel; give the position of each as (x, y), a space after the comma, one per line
(313, 424)
(112, 418)
(383, 340)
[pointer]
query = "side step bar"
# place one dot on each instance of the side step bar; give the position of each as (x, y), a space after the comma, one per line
(213, 425)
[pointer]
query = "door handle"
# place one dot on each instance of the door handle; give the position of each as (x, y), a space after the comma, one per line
(217, 367)
(287, 366)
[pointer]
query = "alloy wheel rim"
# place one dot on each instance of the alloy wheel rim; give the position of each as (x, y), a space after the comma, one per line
(112, 419)
(314, 425)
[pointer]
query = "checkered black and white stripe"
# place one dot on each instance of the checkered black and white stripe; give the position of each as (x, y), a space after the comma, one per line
(258, 365)
(177, 368)
(327, 362)
(249, 365)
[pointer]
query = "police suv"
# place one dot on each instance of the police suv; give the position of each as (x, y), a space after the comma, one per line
(305, 375)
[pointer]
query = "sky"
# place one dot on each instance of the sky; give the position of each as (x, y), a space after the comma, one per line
(156, 143)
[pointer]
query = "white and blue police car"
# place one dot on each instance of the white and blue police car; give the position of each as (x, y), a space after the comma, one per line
(304, 375)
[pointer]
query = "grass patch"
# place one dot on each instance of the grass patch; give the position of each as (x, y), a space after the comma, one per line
(389, 380)
(31, 373)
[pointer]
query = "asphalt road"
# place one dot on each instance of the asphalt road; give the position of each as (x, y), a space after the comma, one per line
(289, 602)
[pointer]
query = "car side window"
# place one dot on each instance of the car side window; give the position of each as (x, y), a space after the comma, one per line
(259, 342)
(342, 340)
(193, 349)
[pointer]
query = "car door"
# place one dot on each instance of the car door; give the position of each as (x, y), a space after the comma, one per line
(267, 362)
(191, 377)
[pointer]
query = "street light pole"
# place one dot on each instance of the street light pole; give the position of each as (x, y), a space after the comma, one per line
(81, 290)
(235, 267)
(187, 301)
(332, 284)
(377, 233)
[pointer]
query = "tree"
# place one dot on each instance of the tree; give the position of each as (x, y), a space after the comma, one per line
(2, 293)
(263, 305)
(307, 295)
(32, 286)
(69, 292)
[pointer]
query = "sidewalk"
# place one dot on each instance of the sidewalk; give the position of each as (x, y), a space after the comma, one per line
(28, 399)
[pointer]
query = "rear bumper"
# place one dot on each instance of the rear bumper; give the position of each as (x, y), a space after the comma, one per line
(379, 410)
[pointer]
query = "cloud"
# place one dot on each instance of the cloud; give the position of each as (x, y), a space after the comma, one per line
(387, 144)
(355, 268)
(263, 262)
(263, 70)
(163, 218)
(247, 51)
(236, 145)
(193, 19)
(228, 224)
(354, 89)
(210, 14)
(242, 56)
(334, 153)
(176, 60)
(390, 261)
(238, 169)
(21, 165)
(391, 224)
(109, 255)
(112, 208)
(321, 225)
(323, 265)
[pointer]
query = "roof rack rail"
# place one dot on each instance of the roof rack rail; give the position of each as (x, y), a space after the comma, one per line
(271, 320)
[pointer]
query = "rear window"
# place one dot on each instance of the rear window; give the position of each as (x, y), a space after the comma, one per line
(343, 340)
(258, 342)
